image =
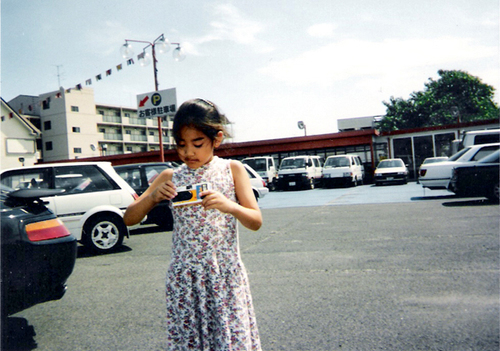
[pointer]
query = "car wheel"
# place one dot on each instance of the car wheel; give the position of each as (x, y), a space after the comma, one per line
(104, 233)
(494, 194)
(256, 194)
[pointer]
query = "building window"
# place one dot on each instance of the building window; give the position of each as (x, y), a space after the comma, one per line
(127, 114)
(46, 103)
(77, 150)
(76, 129)
(101, 112)
(74, 108)
(151, 133)
(47, 125)
(48, 146)
(102, 130)
(128, 132)
(117, 113)
(129, 148)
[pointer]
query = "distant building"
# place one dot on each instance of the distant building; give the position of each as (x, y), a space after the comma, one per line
(74, 126)
(18, 139)
(358, 123)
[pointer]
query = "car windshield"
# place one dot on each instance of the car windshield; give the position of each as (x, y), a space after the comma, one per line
(337, 162)
(292, 163)
(258, 164)
(390, 164)
(458, 154)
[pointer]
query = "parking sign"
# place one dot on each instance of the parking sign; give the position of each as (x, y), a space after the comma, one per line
(157, 104)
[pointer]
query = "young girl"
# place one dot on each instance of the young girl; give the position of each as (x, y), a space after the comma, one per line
(209, 306)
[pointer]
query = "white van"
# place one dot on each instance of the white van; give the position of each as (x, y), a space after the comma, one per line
(300, 172)
(476, 137)
(347, 170)
(265, 167)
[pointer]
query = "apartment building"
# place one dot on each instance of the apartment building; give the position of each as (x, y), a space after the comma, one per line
(73, 126)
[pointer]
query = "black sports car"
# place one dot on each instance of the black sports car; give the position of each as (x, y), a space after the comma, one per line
(479, 178)
(38, 251)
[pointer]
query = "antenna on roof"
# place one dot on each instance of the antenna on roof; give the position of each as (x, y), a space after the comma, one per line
(58, 75)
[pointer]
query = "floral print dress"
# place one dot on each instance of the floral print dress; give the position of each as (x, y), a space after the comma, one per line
(209, 305)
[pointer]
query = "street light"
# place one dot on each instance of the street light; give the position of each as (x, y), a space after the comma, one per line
(144, 58)
(302, 125)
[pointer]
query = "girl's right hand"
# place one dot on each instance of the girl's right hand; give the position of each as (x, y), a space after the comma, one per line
(164, 191)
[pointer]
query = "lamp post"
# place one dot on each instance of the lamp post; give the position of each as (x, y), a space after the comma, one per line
(163, 47)
(302, 125)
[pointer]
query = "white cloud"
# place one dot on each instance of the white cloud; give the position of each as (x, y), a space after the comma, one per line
(322, 30)
(231, 25)
(356, 58)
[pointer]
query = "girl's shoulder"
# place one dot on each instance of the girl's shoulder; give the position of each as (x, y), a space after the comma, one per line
(236, 167)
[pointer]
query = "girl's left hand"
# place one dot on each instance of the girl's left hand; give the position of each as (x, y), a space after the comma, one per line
(215, 200)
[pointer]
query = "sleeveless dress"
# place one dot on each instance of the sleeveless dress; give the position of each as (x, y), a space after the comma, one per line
(209, 305)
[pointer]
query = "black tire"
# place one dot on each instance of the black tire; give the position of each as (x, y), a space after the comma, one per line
(256, 194)
(104, 232)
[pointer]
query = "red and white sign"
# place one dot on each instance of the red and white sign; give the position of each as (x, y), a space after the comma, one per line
(157, 104)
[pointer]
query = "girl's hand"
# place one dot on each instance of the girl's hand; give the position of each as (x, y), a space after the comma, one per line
(164, 191)
(215, 200)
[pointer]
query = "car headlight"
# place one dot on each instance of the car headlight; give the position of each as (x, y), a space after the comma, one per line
(378, 174)
(303, 175)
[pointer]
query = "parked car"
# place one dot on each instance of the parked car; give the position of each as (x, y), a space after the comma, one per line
(265, 167)
(38, 251)
(347, 170)
(438, 175)
(139, 176)
(476, 137)
(479, 178)
(300, 172)
(92, 203)
(434, 160)
(258, 184)
(391, 170)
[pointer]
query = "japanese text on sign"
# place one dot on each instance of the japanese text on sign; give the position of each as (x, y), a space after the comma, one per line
(156, 111)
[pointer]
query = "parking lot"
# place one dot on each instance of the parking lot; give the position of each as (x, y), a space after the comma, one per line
(365, 268)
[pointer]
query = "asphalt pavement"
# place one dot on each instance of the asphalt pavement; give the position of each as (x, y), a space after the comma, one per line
(414, 274)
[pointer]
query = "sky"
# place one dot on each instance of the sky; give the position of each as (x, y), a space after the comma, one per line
(265, 64)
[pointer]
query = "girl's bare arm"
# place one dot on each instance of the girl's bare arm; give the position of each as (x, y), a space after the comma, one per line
(247, 211)
(161, 189)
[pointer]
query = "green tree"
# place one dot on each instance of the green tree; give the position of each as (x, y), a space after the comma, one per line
(455, 96)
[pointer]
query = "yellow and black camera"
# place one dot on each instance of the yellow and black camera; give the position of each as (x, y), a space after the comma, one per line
(190, 194)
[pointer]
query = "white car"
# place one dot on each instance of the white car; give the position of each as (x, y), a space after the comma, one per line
(344, 170)
(438, 175)
(91, 203)
(258, 184)
(391, 170)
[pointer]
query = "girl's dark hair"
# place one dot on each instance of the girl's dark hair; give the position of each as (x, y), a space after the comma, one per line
(202, 115)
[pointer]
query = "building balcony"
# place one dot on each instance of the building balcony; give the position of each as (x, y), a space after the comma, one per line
(112, 136)
(111, 119)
